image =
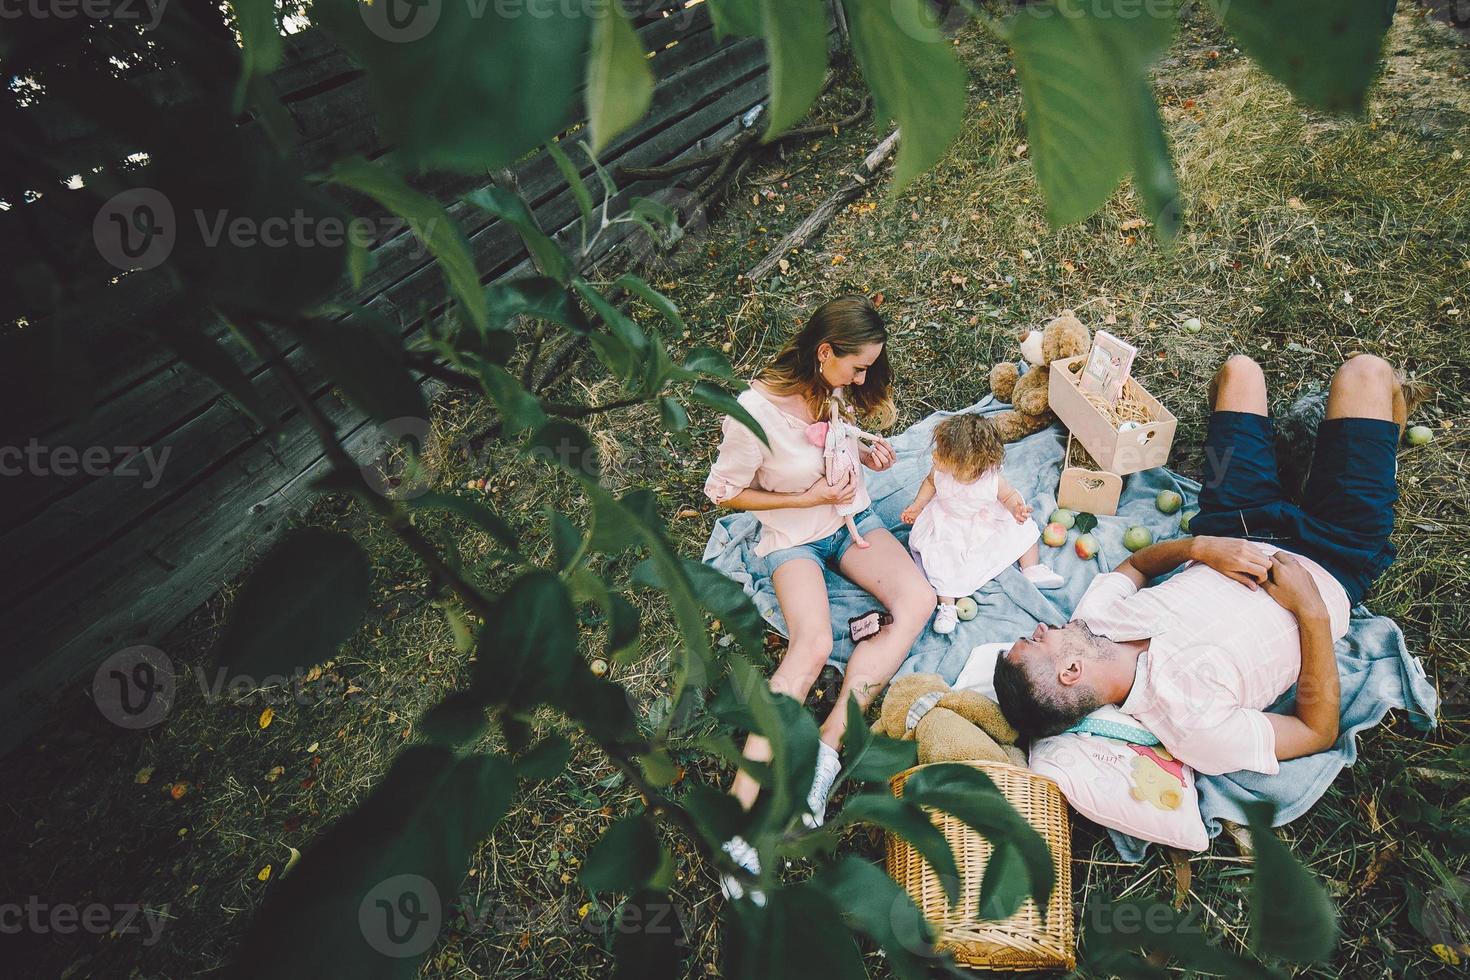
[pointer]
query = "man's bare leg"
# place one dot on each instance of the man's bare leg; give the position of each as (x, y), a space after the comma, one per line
(1367, 387)
(1239, 386)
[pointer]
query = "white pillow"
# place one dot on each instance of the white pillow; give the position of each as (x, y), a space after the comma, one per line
(1139, 790)
(978, 674)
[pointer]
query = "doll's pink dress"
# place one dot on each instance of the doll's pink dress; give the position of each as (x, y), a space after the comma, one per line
(965, 536)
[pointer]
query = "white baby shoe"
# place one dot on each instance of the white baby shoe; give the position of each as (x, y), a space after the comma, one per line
(743, 854)
(829, 764)
(1042, 577)
(946, 618)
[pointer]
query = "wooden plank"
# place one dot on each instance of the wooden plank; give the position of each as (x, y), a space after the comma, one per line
(174, 562)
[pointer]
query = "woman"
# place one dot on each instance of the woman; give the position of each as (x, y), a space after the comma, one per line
(841, 348)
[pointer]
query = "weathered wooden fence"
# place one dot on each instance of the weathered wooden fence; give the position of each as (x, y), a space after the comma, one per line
(146, 505)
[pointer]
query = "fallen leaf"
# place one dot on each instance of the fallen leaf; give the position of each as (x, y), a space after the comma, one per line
(784, 266)
(267, 716)
(1132, 224)
(313, 746)
(1020, 150)
(275, 773)
(838, 259)
(687, 512)
(291, 861)
(265, 874)
(1446, 954)
(1295, 203)
(177, 790)
(144, 774)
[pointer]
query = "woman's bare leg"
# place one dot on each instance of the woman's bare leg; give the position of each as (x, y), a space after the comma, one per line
(801, 590)
(889, 573)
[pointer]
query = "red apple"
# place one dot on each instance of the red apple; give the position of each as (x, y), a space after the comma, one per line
(1054, 534)
(1086, 545)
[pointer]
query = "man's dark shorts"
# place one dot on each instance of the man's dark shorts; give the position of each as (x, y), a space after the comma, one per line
(1346, 514)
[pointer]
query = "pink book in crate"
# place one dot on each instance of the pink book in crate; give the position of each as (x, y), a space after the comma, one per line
(1107, 367)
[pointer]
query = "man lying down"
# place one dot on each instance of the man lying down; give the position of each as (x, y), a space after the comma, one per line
(1265, 595)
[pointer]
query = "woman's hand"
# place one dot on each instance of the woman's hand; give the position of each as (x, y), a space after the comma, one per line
(911, 513)
(879, 457)
(1234, 558)
(821, 493)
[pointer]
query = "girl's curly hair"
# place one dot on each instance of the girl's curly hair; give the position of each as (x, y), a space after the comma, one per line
(967, 446)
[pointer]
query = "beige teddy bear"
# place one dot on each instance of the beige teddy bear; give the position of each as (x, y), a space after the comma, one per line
(949, 725)
(1028, 393)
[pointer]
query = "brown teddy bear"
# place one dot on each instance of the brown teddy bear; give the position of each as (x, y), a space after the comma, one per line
(949, 725)
(1027, 393)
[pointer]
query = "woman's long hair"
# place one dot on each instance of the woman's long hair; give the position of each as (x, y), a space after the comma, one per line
(848, 323)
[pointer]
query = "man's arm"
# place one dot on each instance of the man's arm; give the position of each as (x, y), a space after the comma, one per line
(1231, 557)
(1315, 725)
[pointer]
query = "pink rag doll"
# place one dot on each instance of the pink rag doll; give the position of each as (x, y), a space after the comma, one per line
(839, 461)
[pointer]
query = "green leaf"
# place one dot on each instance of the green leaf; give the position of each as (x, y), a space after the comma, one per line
(538, 297)
(1113, 932)
(873, 758)
(1005, 885)
(792, 732)
(796, 43)
(544, 760)
(574, 180)
(708, 361)
(665, 306)
(797, 935)
(735, 18)
(718, 593)
(566, 541)
(459, 87)
(624, 859)
(566, 444)
(1291, 916)
(519, 409)
(1325, 51)
(622, 628)
(882, 910)
(1085, 522)
(429, 222)
(365, 357)
(528, 654)
(716, 814)
(711, 394)
(968, 794)
(1090, 114)
(473, 511)
(508, 206)
(622, 327)
(260, 41)
(916, 81)
(459, 719)
(619, 80)
(304, 599)
(404, 849)
(913, 825)
(672, 415)
(204, 354)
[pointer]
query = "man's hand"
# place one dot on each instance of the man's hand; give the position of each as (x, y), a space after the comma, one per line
(880, 457)
(1293, 587)
(1233, 558)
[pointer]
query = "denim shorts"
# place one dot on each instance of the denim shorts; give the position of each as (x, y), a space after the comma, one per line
(826, 551)
(1346, 514)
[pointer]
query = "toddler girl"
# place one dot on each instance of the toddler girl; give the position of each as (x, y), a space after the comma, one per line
(968, 523)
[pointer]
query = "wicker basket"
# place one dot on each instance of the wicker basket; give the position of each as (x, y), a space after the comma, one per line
(1024, 941)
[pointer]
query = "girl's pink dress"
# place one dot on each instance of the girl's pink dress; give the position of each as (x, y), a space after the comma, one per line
(965, 537)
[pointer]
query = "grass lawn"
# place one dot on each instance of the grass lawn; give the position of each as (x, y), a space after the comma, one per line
(1306, 238)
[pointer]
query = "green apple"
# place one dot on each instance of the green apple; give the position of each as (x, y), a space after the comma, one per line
(1168, 501)
(1086, 546)
(1191, 325)
(966, 608)
(1421, 435)
(1054, 534)
(1066, 518)
(1137, 537)
(1184, 520)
